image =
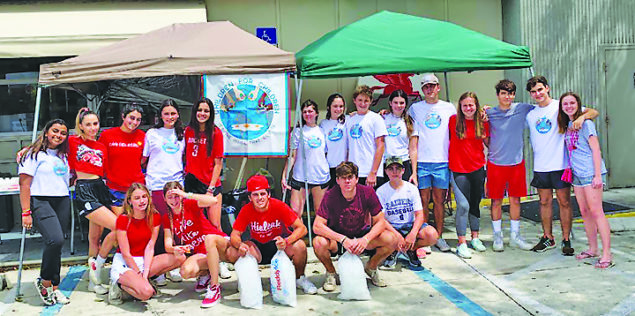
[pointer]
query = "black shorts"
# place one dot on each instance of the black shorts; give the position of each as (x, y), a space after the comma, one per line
(380, 181)
(297, 185)
(267, 250)
(340, 248)
(549, 180)
(194, 185)
(91, 194)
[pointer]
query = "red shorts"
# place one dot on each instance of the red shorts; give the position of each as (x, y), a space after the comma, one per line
(511, 178)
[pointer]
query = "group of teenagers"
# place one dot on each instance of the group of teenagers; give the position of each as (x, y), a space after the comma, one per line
(166, 221)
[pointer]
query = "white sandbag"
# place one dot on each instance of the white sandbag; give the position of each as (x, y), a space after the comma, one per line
(352, 277)
(283, 289)
(249, 283)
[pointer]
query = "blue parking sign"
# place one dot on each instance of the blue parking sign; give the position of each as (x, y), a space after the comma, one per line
(267, 34)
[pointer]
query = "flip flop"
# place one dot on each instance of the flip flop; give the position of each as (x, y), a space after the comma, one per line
(604, 264)
(585, 255)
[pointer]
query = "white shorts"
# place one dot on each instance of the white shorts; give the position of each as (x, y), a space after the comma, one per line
(120, 267)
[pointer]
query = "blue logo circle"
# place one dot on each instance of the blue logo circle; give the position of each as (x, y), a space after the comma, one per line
(335, 134)
(314, 142)
(246, 112)
(543, 125)
(171, 146)
(433, 121)
(60, 169)
(393, 130)
(356, 131)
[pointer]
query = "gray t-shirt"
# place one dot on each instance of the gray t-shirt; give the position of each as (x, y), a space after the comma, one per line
(582, 156)
(506, 134)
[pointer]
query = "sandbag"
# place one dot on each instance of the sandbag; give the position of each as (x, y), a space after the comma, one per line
(249, 283)
(352, 277)
(283, 290)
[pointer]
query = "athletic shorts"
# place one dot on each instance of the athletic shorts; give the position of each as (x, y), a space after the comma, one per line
(510, 178)
(119, 196)
(267, 250)
(120, 267)
(549, 180)
(433, 174)
(404, 231)
(585, 181)
(298, 185)
(91, 195)
(194, 185)
(379, 181)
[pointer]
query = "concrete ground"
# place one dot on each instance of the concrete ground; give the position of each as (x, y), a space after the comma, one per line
(513, 282)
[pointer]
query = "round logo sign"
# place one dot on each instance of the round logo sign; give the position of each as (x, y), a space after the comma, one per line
(246, 112)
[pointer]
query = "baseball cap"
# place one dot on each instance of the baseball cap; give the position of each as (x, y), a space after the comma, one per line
(256, 183)
(394, 160)
(429, 79)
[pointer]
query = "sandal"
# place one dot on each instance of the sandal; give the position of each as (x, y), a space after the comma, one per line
(585, 255)
(603, 264)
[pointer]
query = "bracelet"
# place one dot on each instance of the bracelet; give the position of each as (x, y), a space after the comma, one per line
(343, 239)
(27, 213)
(27, 210)
(367, 242)
(210, 190)
(189, 195)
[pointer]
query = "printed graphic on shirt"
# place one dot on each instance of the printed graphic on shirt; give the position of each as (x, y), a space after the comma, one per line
(314, 142)
(60, 169)
(92, 156)
(356, 131)
(335, 134)
(171, 145)
(393, 130)
(350, 216)
(433, 120)
(265, 229)
(190, 237)
(543, 125)
(398, 207)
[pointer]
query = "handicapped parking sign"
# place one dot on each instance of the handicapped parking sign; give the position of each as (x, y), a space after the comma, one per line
(267, 34)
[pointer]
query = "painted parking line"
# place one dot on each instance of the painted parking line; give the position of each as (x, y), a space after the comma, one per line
(67, 286)
(453, 295)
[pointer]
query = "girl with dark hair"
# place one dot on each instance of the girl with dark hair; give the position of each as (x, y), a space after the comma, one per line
(334, 129)
(187, 231)
(400, 142)
(588, 178)
(308, 160)
(137, 230)
(44, 176)
(468, 134)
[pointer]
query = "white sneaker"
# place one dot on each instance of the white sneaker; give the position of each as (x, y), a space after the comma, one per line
(463, 251)
(223, 271)
(114, 296)
(60, 298)
(175, 275)
(517, 241)
(329, 284)
(442, 245)
(305, 284)
(427, 249)
(498, 242)
(98, 289)
(94, 270)
(160, 280)
(477, 244)
(202, 282)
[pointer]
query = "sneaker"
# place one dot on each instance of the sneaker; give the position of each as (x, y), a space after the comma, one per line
(544, 244)
(413, 260)
(155, 287)
(463, 251)
(442, 245)
(202, 282)
(60, 298)
(94, 271)
(114, 295)
(477, 245)
(97, 288)
(46, 293)
(422, 253)
(517, 241)
(223, 271)
(329, 283)
(567, 250)
(160, 280)
(305, 284)
(498, 242)
(427, 249)
(212, 296)
(391, 261)
(175, 275)
(374, 277)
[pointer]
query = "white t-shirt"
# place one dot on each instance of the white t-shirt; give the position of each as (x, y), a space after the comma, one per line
(399, 205)
(397, 140)
(431, 121)
(315, 149)
(165, 157)
(335, 141)
(546, 142)
(361, 132)
(50, 173)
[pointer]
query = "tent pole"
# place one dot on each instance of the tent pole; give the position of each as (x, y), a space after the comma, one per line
(447, 88)
(306, 180)
(36, 117)
(531, 71)
(296, 117)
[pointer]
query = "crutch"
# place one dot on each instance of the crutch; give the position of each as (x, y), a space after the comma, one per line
(18, 295)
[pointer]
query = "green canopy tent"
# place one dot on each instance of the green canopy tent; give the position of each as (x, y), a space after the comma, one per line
(392, 43)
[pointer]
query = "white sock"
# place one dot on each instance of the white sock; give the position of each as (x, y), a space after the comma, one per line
(515, 226)
(496, 225)
(100, 261)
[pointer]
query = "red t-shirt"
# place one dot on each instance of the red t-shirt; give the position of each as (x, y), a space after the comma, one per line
(138, 232)
(264, 226)
(87, 156)
(124, 157)
(197, 162)
(466, 155)
(192, 231)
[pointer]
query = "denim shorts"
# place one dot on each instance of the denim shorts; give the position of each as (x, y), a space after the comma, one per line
(433, 174)
(585, 181)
